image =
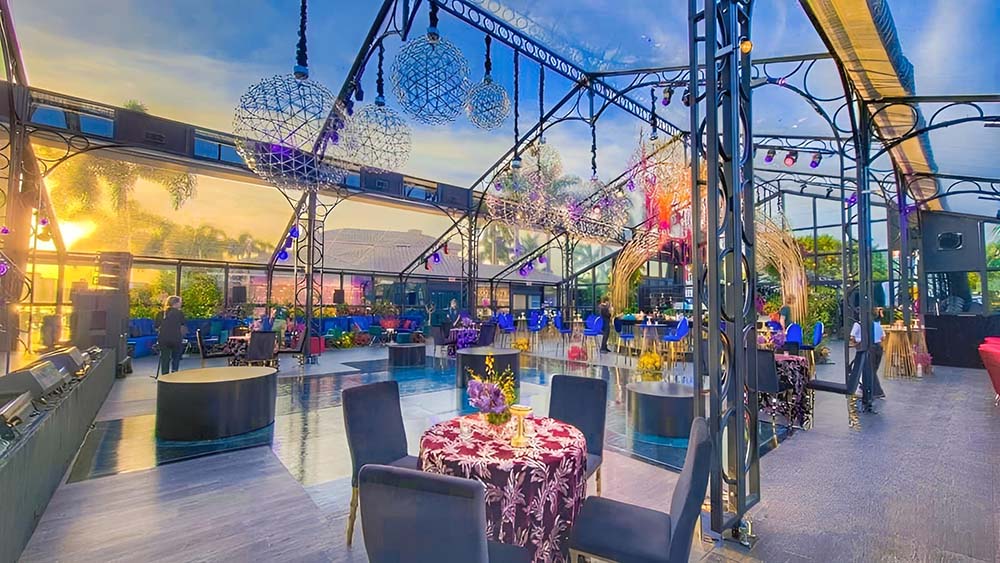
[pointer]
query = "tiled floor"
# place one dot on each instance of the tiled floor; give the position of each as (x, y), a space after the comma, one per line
(918, 482)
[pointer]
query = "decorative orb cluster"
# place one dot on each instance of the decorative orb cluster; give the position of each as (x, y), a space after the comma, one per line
(430, 78)
(378, 137)
(280, 132)
(488, 104)
(537, 197)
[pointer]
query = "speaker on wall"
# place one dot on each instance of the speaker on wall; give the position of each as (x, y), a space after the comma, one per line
(951, 243)
(338, 296)
(239, 295)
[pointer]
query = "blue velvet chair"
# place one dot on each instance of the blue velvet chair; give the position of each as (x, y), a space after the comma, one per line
(592, 330)
(623, 532)
(818, 330)
(793, 336)
(564, 331)
(415, 516)
(623, 336)
(582, 402)
(674, 337)
(373, 422)
(536, 324)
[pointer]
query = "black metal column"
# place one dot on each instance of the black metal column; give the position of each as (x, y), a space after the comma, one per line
(309, 273)
(470, 263)
(729, 285)
(866, 318)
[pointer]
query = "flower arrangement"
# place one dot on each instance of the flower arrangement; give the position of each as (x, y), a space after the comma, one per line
(923, 359)
(522, 344)
(346, 340)
(577, 353)
(771, 341)
(389, 322)
(362, 339)
(650, 363)
(493, 393)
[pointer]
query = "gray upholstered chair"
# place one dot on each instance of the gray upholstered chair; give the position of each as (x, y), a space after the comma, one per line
(582, 402)
(373, 422)
(413, 516)
(625, 533)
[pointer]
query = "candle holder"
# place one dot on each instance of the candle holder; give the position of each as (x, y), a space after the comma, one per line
(519, 440)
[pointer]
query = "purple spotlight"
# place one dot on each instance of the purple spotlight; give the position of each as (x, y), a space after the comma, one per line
(769, 157)
(436, 257)
(498, 186)
(816, 159)
(4, 230)
(283, 255)
(852, 200)
(523, 272)
(4, 267)
(294, 233)
(542, 259)
(531, 265)
(288, 242)
(44, 221)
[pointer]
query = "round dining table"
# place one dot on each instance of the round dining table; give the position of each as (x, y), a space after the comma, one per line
(533, 494)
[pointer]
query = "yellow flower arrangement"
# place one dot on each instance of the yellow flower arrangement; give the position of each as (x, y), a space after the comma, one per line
(650, 365)
(522, 344)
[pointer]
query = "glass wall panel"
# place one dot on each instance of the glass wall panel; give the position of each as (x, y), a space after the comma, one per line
(202, 291)
(107, 204)
(149, 288)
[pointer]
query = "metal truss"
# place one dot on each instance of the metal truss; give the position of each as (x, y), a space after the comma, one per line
(724, 280)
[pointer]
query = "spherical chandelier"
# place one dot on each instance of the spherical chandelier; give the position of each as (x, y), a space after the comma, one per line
(285, 124)
(430, 77)
(376, 135)
(488, 105)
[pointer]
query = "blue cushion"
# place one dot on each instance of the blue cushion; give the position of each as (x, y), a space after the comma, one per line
(621, 532)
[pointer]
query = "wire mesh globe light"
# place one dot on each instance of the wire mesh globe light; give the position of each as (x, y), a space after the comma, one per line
(279, 128)
(430, 78)
(488, 105)
(378, 137)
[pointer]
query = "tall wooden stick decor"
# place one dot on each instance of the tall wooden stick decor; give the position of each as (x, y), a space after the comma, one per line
(776, 247)
(661, 170)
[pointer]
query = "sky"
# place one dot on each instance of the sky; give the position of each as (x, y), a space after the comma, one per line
(191, 60)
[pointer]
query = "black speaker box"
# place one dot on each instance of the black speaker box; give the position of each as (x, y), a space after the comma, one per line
(239, 295)
(338, 296)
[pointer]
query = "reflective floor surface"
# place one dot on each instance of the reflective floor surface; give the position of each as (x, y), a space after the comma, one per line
(918, 482)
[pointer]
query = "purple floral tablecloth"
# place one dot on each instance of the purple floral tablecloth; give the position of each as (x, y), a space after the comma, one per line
(533, 494)
(794, 372)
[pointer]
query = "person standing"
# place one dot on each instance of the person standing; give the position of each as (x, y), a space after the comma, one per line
(876, 352)
(606, 311)
(785, 313)
(279, 323)
(170, 337)
(453, 313)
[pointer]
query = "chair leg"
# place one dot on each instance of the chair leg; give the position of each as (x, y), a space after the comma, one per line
(352, 516)
(598, 478)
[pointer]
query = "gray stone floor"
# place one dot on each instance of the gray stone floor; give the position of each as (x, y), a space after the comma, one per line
(918, 482)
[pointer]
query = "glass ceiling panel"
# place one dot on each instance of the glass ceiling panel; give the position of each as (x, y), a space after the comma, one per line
(946, 43)
(604, 35)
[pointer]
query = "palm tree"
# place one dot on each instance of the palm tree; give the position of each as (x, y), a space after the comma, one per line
(82, 178)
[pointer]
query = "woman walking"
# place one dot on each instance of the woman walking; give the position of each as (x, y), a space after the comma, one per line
(171, 335)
